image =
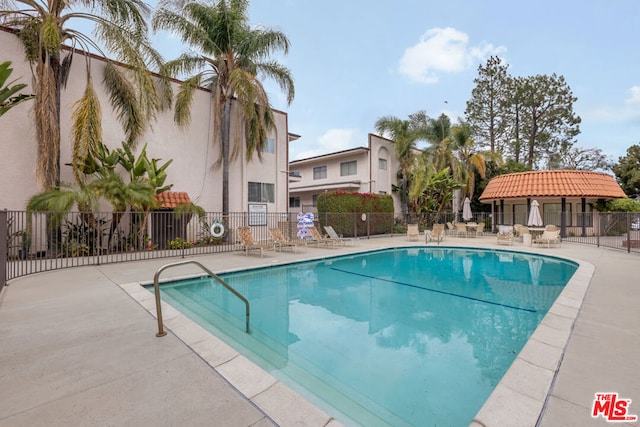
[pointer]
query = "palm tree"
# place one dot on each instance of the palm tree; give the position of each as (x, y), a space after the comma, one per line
(229, 55)
(442, 146)
(405, 134)
(50, 44)
(471, 161)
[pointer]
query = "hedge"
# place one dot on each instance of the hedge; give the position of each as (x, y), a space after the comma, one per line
(343, 210)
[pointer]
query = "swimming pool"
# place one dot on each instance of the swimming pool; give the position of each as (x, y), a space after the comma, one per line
(401, 337)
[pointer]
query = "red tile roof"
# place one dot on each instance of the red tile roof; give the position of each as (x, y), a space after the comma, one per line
(171, 199)
(552, 183)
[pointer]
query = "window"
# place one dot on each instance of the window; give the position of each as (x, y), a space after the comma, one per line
(295, 174)
(586, 217)
(315, 200)
(382, 192)
(553, 214)
(348, 168)
(382, 164)
(294, 202)
(261, 192)
(320, 172)
(520, 215)
(269, 146)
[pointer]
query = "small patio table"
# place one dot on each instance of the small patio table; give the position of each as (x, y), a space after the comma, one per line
(536, 232)
(471, 229)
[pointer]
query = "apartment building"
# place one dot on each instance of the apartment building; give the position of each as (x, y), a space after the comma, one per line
(370, 169)
(193, 170)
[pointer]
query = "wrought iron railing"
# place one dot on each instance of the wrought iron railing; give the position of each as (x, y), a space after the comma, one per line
(36, 242)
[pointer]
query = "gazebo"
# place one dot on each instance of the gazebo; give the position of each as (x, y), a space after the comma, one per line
(566, 198)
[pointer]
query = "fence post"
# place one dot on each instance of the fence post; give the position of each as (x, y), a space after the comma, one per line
(599, 228)
(628, 232)
(355, 225)
(4, 248)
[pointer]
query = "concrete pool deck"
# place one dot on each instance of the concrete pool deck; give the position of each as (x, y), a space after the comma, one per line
(78, 347)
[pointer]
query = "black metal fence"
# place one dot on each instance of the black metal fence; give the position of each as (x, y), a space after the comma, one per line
(37, 242)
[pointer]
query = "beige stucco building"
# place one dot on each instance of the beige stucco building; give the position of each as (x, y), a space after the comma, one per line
(370, 169)
(191, 149)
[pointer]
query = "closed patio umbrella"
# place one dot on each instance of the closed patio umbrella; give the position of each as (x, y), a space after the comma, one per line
(535, 219)
(466, 210)
(466, 267)
(535, 265)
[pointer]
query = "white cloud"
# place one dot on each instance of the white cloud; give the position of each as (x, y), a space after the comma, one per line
(331, 141)
(635, 95)
(442, 50)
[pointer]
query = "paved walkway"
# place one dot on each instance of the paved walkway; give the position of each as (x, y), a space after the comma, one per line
(78, 347)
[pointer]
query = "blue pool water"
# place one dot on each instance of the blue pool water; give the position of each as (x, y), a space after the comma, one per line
(410, 336)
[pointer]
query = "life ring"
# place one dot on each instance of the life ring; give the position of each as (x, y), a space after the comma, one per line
(217, 230)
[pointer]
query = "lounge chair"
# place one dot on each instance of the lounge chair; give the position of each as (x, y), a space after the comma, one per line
(333, 235)
(434, 235)
(317, 238)
(548, 238)
(281, 242)
(450, 227)
(413, 233)
(248, 244)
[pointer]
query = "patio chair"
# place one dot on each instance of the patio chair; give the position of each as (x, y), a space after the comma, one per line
(480, 229)
(248, 244)
(461, 229)
(317, 238)
(505, 237)
(551, 227)
(333, 235)
(281, 242)
(436, 234)
(519, 231)
(413, 233)
(548, 238)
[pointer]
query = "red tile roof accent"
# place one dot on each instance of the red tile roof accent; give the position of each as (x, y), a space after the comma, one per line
(171, 199)
(552, 183)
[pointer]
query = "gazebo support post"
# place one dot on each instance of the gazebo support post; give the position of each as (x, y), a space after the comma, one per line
(494, 216)
(563, 218)
(584, 216)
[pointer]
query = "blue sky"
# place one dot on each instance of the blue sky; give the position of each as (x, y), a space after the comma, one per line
(354, 61)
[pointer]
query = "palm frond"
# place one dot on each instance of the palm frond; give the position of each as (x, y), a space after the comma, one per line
(58, 201)
(86, 130)
(122, 95)
(184, 99)
(281, 75)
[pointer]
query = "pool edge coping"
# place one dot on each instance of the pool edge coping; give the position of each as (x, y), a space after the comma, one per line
(540, 358)
(530, 378)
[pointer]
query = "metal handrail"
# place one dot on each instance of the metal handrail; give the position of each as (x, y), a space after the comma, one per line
(156, 288)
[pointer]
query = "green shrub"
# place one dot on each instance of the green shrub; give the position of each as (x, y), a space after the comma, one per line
(619, 205)
(343, 210)
(179, 243)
